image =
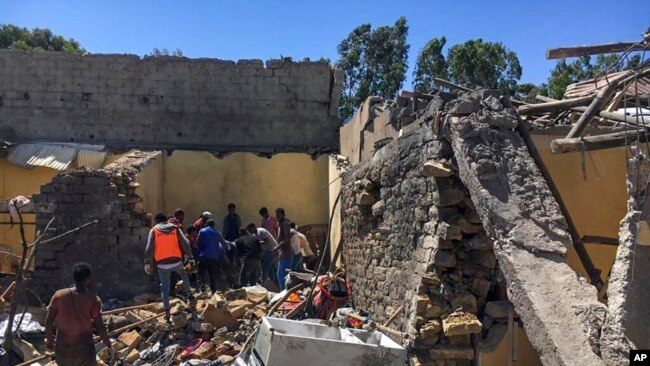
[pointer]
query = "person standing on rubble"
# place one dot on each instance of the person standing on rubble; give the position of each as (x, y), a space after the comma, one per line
(268, 245)
(76, 312)
(231, 231)
(210, 246)
(165, 247)
(250, 249)
(284, 247)
(270, 225)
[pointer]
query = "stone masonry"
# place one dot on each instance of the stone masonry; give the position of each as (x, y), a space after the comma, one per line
(114, 246)
(412, 237)
(169, 102)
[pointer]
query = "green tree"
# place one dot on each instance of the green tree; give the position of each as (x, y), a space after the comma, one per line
(484, 64)
(527, 92)
(39, 39)
(472, 64)
(582, 68)
(430, 64)
(374, 62)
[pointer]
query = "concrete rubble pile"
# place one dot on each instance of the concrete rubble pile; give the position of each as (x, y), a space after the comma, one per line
(456, 215)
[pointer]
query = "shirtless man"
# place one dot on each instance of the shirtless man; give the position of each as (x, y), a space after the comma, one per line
(76, 312)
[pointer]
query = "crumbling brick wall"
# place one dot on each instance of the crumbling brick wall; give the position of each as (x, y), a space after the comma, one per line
(114, 246)
(412, 237)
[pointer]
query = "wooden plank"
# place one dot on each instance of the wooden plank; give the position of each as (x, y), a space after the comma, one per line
(618, 117)
(416, 95)
(577, 51)
(598, 142)
(450, 85)
(554, 106)
(596, 105)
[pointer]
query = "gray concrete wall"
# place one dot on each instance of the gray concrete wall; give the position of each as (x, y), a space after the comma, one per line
(169, 102)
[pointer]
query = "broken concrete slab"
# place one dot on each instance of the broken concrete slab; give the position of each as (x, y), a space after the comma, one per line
(530, 236)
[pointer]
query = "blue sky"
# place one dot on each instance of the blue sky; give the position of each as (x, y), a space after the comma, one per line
(269, 29)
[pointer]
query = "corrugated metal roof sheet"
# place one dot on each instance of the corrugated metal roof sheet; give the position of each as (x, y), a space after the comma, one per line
(592, 86)
(91, 158)
(55, 156)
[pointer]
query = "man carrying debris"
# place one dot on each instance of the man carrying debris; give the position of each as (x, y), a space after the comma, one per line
(76, 312)
(270, 225)
(286, 252)
(165, 248)
(210, 246)
(250, 250)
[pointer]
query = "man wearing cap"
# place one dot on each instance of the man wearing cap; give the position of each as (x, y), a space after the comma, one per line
(200, 223)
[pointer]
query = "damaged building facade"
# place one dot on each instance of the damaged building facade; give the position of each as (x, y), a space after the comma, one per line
(446, 206)
(446, 209)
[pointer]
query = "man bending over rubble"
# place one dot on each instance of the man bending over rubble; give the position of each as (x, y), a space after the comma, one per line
(76, 312)
(165, 247)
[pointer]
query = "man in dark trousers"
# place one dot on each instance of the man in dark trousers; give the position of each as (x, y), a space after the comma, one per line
(250, 251)
(210, 247)
(76, 312)
(284, 247)
(165, 247)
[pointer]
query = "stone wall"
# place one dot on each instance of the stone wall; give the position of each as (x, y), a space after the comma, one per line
(412, 237)
(169, 102)
(114, 246)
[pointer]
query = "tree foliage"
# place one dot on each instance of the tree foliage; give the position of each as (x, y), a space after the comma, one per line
(39, 39)
(583, 68)
(165, 52)
(374, 62)
(473, 64)
(430, 64)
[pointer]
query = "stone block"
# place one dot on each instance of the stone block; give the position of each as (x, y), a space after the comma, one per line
(378, 208)
(448, 231)
(461, 323)
(465, 301)
(421, 304)
(365, 199)
(130, 339)
(480, 288)
(432, 311)
(444, 258)
(498, 309)
(433, 168)
(431, 279)
(431, 329)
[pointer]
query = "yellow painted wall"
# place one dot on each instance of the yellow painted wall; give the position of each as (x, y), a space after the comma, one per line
(198, 181)
(152, 187)
(597, 200)
(17, 181)
(525, 354)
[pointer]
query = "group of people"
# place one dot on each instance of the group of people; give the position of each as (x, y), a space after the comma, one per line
(236, 256)
(249, 251)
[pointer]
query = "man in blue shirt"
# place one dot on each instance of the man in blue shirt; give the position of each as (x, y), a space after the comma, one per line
(210, 246)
